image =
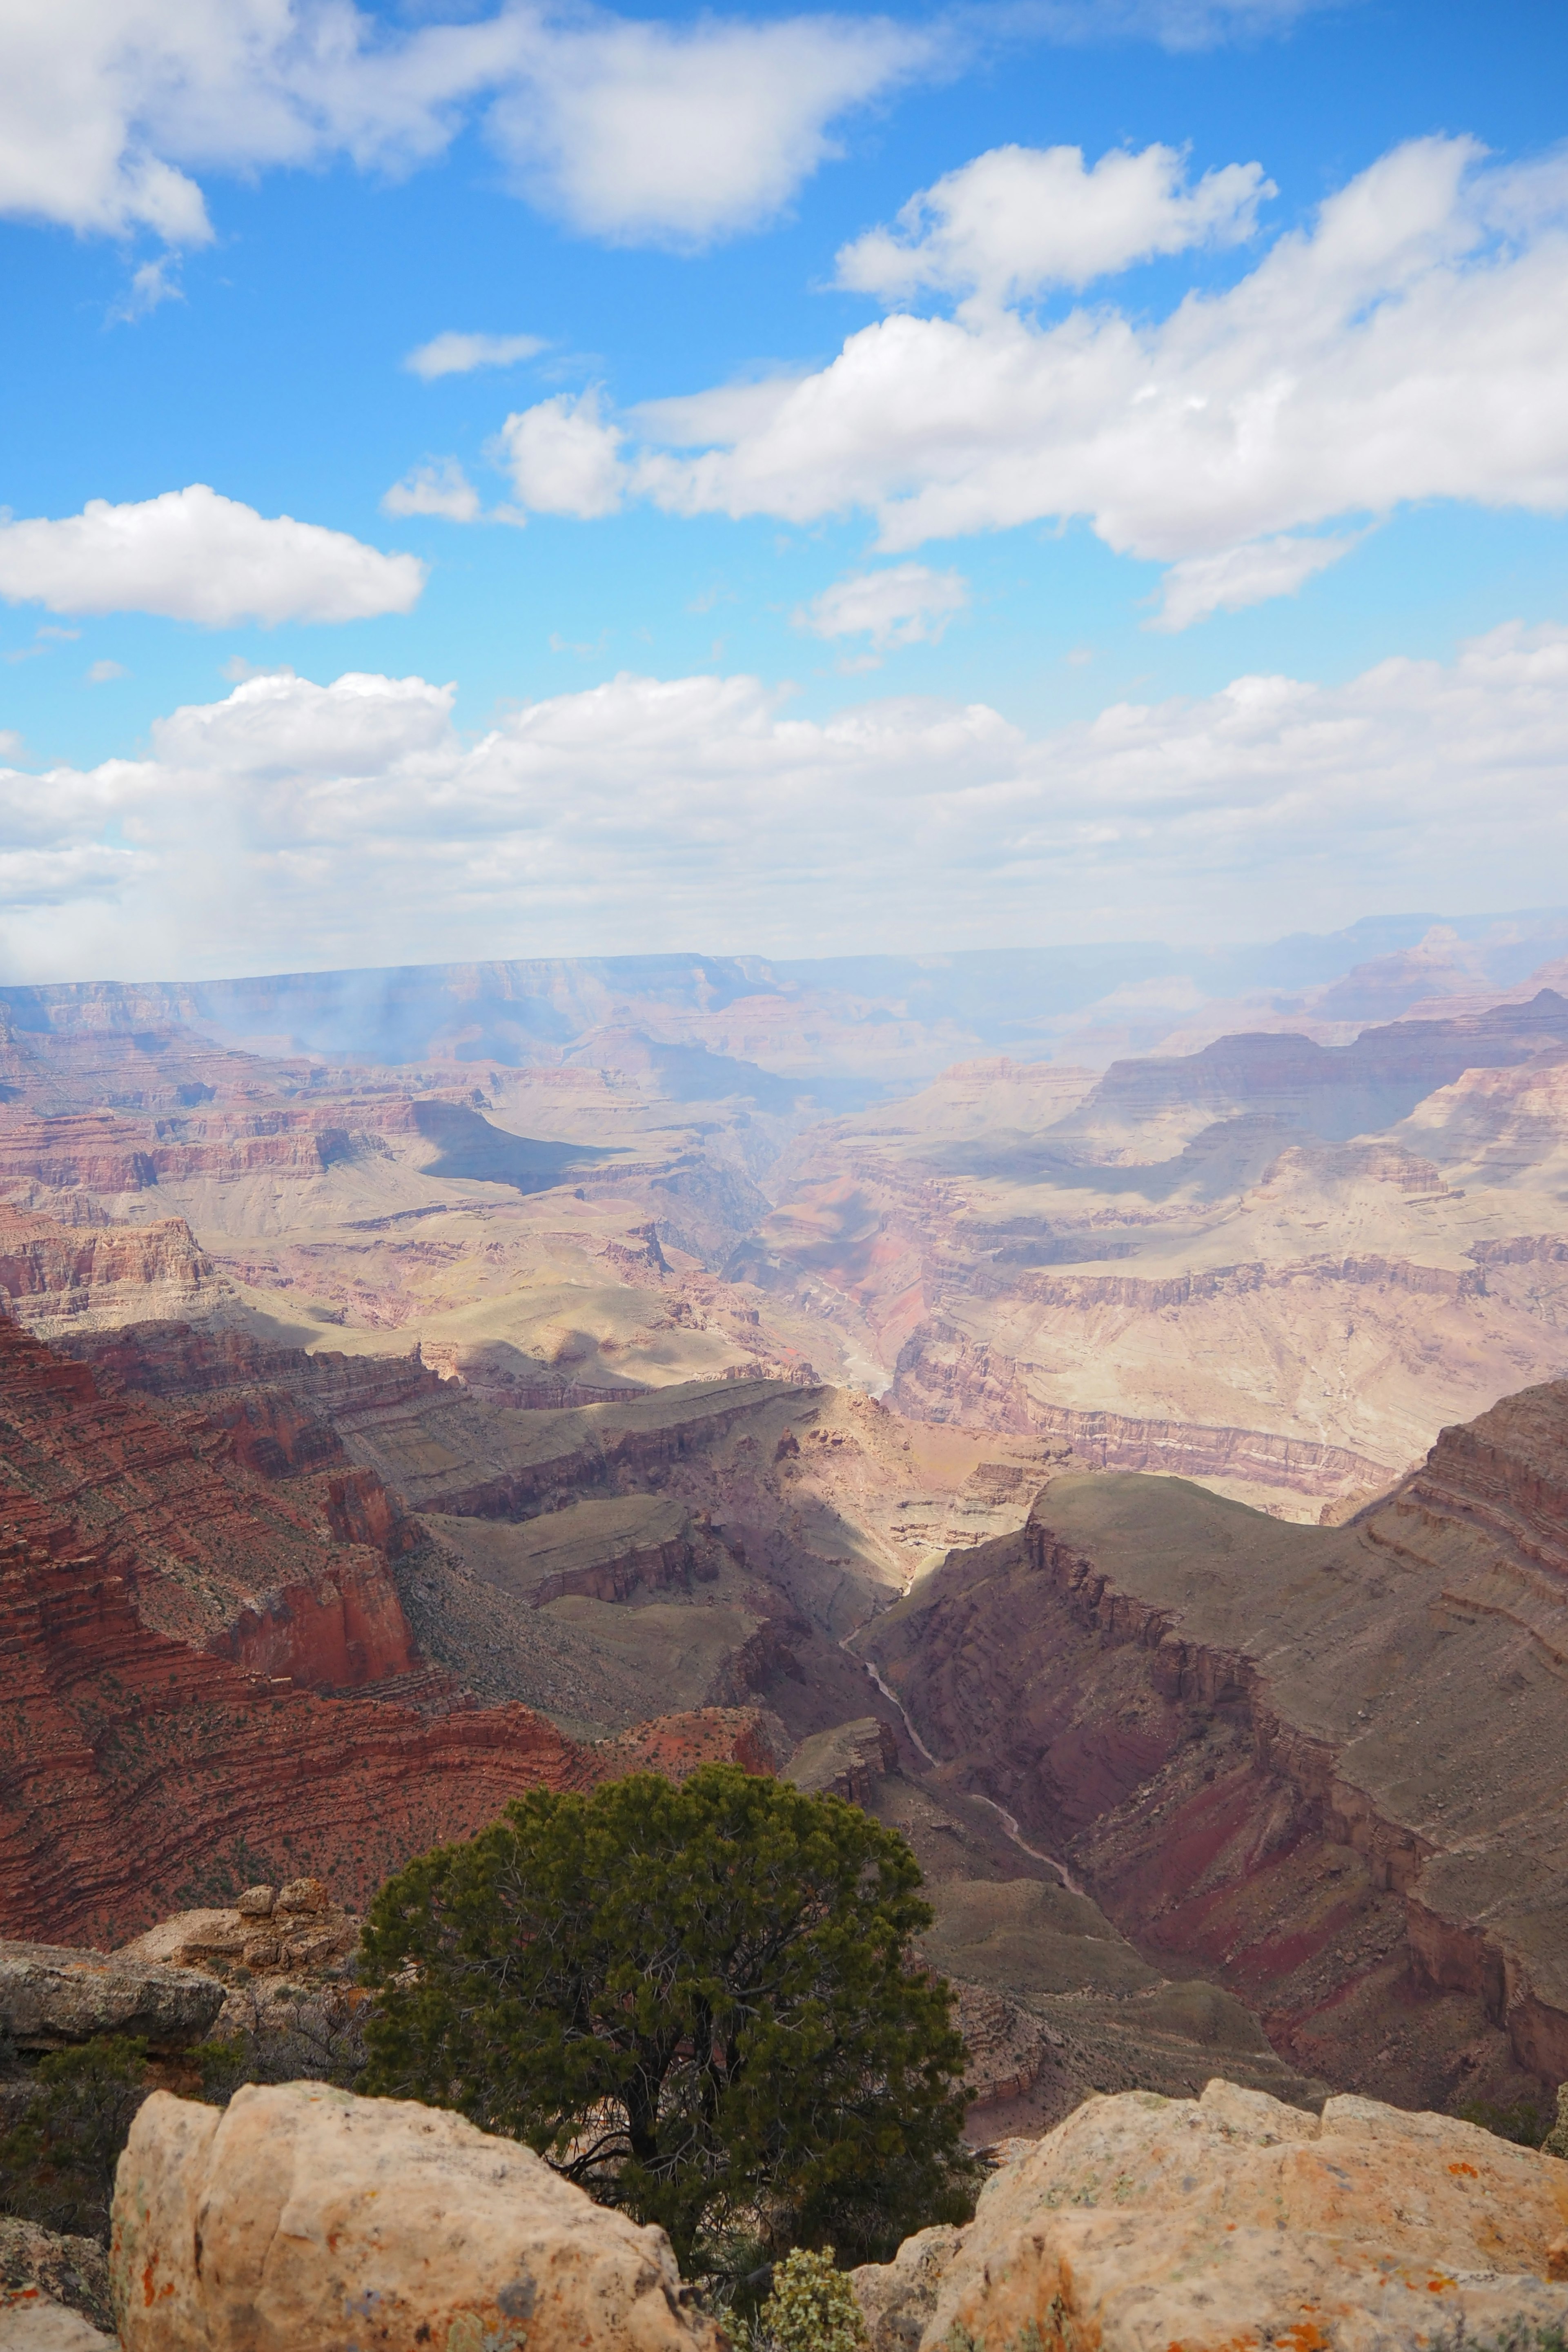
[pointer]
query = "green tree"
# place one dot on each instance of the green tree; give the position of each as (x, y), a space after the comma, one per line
(697, 2002)
(57, 2164)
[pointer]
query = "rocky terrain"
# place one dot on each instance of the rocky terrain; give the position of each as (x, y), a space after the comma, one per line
(170, 1620)
(1274, 1266)
(1223, 2223)
(422, 1390)
(1322, 1765)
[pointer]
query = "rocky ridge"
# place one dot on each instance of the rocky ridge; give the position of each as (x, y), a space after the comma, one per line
(1318, 1763)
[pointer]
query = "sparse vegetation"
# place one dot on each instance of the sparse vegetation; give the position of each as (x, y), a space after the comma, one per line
(57, 2164)
(699, 2003)
(812, 2308)
(1522, 2123)
(307, 2036)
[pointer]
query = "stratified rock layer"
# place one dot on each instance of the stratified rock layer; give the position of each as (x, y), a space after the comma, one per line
(301, 2219)
(140, 1773)
(1231, 2221)
(1324, 1764)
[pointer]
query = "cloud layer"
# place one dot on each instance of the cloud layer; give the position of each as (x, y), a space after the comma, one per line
(633, 131)
(650, 814)
(907, 604)
(192, 555)
(1410, 344)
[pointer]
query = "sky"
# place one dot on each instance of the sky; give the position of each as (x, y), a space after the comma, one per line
(501, 482)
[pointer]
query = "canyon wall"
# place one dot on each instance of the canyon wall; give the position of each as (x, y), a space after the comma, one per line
(1323, 1765)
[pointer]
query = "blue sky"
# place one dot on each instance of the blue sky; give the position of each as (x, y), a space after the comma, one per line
(870, 621)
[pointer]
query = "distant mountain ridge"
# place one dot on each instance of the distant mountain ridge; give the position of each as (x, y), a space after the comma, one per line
(878, 1017)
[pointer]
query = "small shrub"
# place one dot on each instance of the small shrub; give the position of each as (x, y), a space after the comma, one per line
(1522, 2123)
(812, 2308)
(1516, 2335)
(56, 2165)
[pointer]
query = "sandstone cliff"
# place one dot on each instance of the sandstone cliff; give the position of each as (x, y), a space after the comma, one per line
(57, 1278)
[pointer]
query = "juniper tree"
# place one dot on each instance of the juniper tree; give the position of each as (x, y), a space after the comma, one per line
(698, 2002)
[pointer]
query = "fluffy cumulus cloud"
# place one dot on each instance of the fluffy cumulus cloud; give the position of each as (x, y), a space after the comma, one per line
(1410, 342)
(651, 813)
(112, 111)
(192, 555)
(1020, 219)
(563, 458)
(906, 604)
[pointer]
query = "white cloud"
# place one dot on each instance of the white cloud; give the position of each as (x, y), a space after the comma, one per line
(455, 354)
(192, 555)
(1412, 343)
(562, 458)
(647, 130)
(153, 282)
(1022, 218)
(1228, 583)
(633, 131)
(105, 673)
(650, 814)
(439, 486)
(907, 604)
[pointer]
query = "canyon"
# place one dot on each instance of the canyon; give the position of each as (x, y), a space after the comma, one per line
(423, 1386)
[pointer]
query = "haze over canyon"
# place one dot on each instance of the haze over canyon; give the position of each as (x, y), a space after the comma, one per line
(1142, 1475)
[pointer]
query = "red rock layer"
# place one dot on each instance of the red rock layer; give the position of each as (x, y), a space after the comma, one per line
(289, 1580)
(1322, 1765)
(138, 1776)
(63, 1269)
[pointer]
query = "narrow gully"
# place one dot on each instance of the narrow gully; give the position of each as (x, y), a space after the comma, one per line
(1008, 1820)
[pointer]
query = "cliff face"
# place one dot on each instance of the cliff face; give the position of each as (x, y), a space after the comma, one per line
(285, 1579)
(1324, 1764)
(57, 1278)
(160, 1609)
(139, 1776)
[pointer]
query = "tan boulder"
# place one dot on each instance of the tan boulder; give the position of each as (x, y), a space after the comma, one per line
(301, 2218)
(52, 1995)
(1231, 2221)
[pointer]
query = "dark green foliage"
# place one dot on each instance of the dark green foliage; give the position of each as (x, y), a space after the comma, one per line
(56, 2165)
(697, 2002)
(1522, 2123)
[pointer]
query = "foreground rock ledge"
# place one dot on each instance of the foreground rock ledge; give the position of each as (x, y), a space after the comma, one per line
(303, 2219)
(52, 1995)
(1232, 2220)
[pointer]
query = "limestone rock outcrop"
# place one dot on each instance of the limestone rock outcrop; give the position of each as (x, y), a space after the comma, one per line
(52, 1995)
(301, 2215)
(270, 1931)
(1233, 2222)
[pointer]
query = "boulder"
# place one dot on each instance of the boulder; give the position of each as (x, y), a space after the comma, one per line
(42, 2267)
(301, 2216)
(53, 1994)
(33, 2323)
(1233, 2220)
